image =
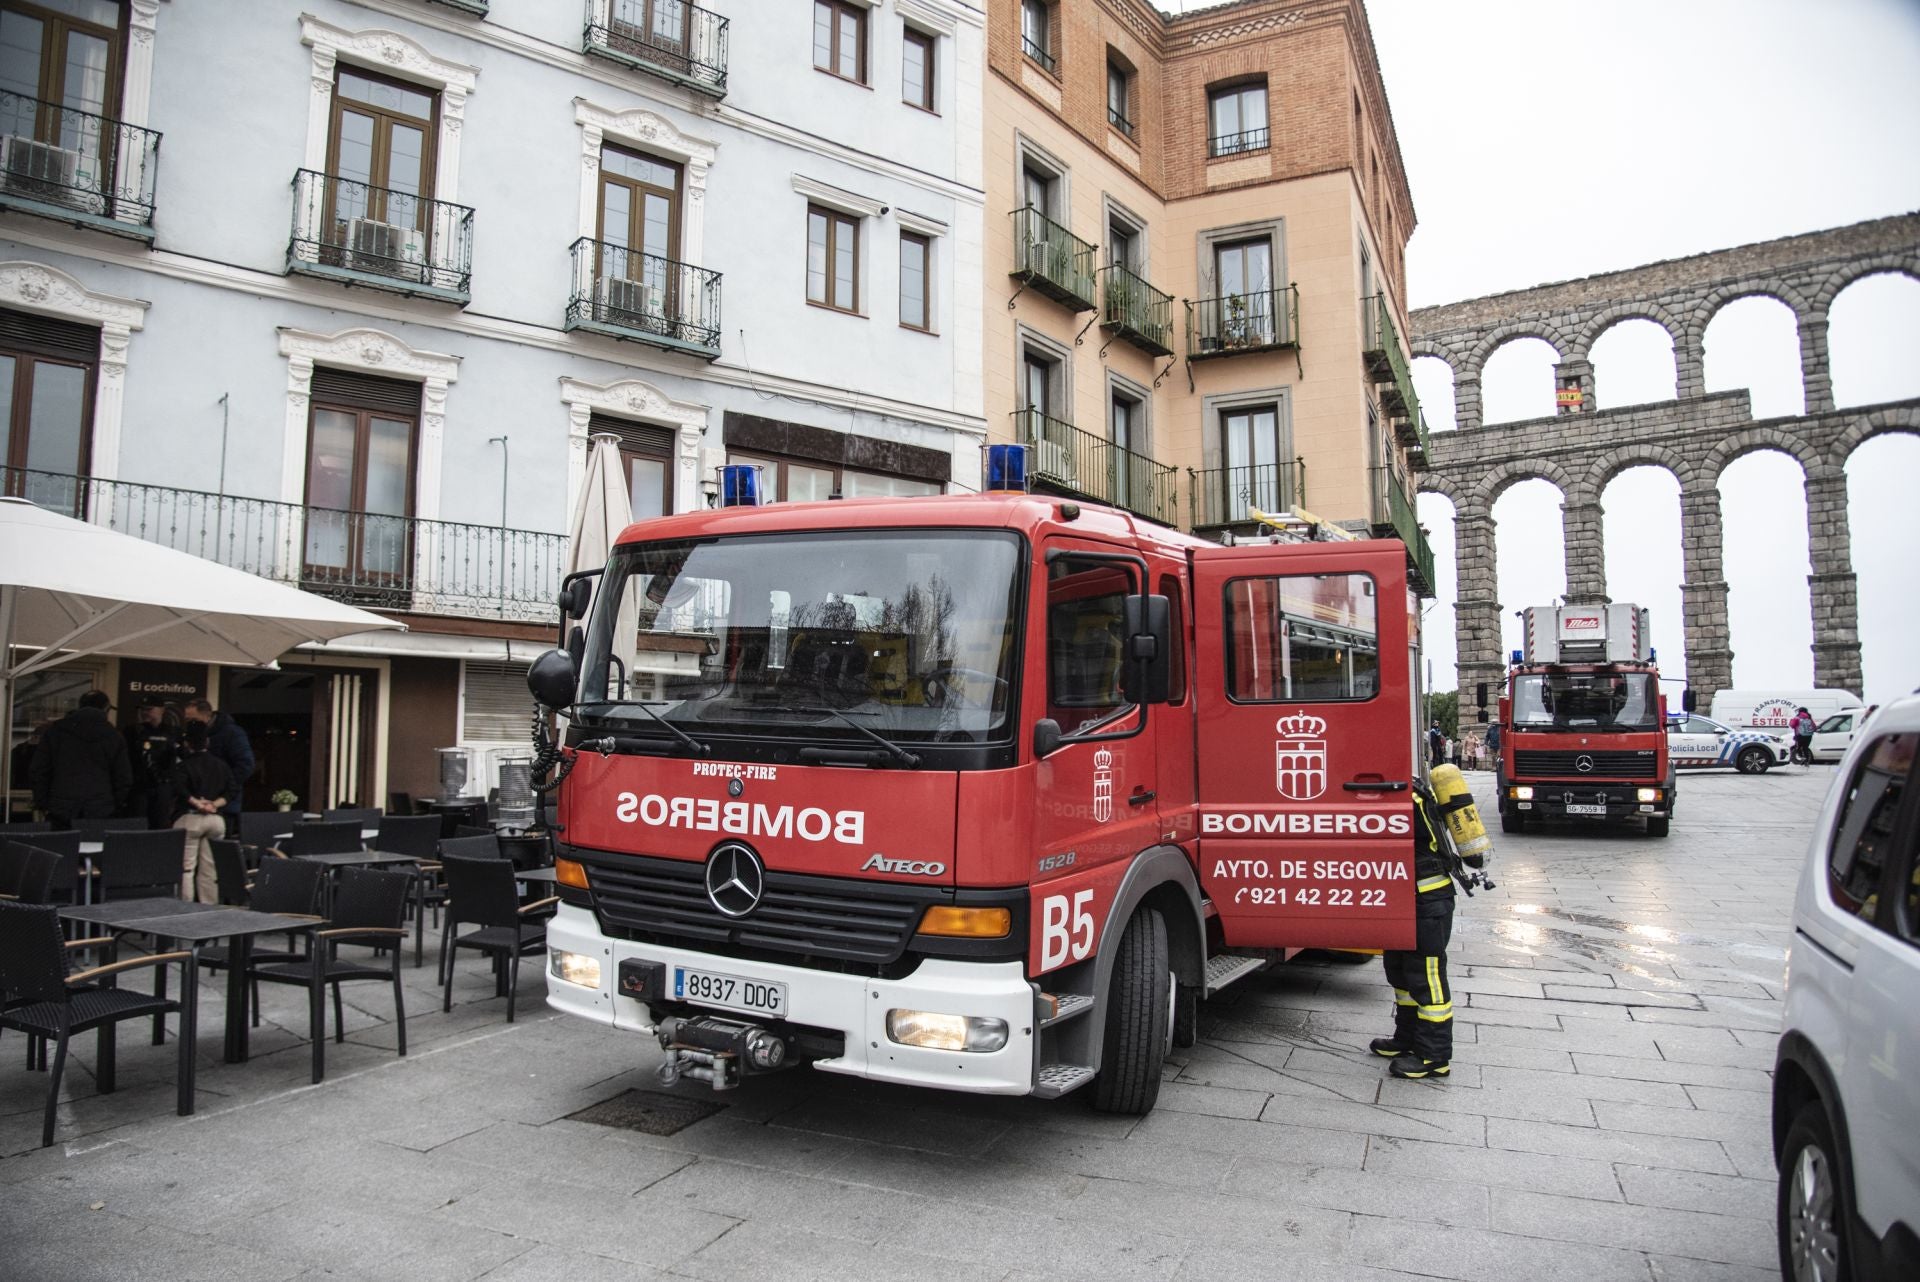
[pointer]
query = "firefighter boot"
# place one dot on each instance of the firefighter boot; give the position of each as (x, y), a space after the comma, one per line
(1405, 1019)
(1413, 1068)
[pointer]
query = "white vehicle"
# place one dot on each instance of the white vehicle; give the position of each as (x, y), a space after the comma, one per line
(1695, 742)
(1772, 709)
(1832, 737)
(1846, 1096)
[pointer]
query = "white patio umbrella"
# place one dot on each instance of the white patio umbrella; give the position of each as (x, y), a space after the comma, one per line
(69, 589)
(603, 512)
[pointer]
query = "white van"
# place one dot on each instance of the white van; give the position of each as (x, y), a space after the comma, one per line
(1772, 709)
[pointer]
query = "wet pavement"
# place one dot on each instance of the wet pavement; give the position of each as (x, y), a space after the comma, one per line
(1617, 999)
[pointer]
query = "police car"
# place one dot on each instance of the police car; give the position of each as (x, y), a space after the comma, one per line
(1695, 742)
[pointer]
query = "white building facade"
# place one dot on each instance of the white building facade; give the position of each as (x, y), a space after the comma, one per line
(339, 291)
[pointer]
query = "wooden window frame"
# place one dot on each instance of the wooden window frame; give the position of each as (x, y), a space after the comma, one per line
(843, 12)
(1126, 126)
(27, 357)
(925, 243)
(362, 437)
(381, 176)
(836, 219)
(639, 191)
(1049, 46)
(50, 83)
(929, 47)
(1223, 89)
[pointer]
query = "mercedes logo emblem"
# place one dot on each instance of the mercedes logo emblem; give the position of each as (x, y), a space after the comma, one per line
(1583, 763)
(735, 879)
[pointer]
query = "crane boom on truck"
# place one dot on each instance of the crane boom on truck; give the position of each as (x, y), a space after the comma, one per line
(975, 792)
(1583, 722)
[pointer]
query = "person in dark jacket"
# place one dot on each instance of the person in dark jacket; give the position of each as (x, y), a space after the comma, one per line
(81, 770)
(201, 788)
(153, 748)
(1422, 1041)
(227, 741)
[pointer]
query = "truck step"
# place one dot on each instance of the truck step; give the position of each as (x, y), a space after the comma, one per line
(1055, 1080)
(1228, 968)
(1066, 1006)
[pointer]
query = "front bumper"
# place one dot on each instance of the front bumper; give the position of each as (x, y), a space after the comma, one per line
(854, 1006)
(1561, 799)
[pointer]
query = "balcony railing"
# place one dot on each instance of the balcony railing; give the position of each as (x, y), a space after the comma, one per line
(1394, 517)
(1136, 311)
(1221, 496)
(1119, 121)
(1234, 144)
(382, 562)
(1039, 55)
(478, 8)
(1062, 455)
(671, 39)
(1052, 260)
(1387, 364)
(380, 238)
(80, 168)
(624, 293)
(1259, 321)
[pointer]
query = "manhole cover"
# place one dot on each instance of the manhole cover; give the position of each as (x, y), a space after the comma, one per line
(650, 1112)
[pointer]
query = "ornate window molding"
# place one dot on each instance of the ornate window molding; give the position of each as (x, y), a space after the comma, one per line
(396, 55)
(649, 131)
(136, 78)
(371, 351)
(631, 398)
(926, 17)
(37, 287)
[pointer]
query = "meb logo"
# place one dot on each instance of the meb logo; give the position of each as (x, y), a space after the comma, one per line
(1102, 786)
(1300, 757)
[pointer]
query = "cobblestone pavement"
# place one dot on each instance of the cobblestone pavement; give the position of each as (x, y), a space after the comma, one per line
(1617, 999)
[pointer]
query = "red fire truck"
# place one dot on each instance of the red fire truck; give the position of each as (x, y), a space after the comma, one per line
(977, 792)
(1583, 723)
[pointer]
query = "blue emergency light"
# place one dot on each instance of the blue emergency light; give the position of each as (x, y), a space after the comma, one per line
(740, 485)
(1006, 468)
(1516, 658)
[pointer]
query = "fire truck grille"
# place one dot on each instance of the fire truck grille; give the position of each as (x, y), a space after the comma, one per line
(1562, 764)
(829, 921)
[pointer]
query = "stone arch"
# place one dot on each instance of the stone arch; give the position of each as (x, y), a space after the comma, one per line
(1641, 454)
(1614, 376)
(1836, 283)
(1711, 304)
(1500, 479)
(1866, 343)
(1795, 359)
(1500, 336)
(1439, 397)
(1507, 404)
(1435, 483)
(1756, 439)
(1427, 347)
(1605, 319)
(1882, 422)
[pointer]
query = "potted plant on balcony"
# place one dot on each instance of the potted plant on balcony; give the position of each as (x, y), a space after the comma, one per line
(1233, 327)
(284, 799)
(1123, 299)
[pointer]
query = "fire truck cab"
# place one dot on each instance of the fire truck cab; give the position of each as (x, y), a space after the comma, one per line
(978, 792)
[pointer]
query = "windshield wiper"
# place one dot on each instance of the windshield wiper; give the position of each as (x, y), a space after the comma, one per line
(899, 754)
(699, 748)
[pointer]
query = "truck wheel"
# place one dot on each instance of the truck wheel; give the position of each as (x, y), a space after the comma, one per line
(1753, 761)
(1812, 1213)
(1658, 827)
(1510, 822)
(1186, 1016)
(1135, 1042)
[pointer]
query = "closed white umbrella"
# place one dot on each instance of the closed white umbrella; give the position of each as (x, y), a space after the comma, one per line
(604, 511)
(69, 589)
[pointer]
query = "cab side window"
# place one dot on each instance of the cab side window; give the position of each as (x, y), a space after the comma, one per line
(1302, 638)
(1177, 611)
(1868, 835)
(1084, 649)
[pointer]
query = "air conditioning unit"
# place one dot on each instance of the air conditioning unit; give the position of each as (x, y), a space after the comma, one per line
(633, 303)
(1053, 460)
(385, 249)
(41, 171)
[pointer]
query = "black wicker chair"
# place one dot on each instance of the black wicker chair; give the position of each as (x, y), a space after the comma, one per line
(481, 892)
(419, 836)
(27, 873)
(230, 872)
(486, 845)
(365, 816)
(369, 907)
(262, 828)
(66, 873)
(97, 829)
(325, 838)
(24, 825)
(137, 865)
(290, 887)
(44, 1001)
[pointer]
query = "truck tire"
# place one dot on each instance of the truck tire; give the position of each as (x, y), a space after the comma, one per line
(1657, 827)
(1135, 1038)
(1753, 760)
(1510, 822)
(1186, 1016)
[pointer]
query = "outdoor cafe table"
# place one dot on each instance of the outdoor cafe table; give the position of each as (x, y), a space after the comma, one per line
(196, 925)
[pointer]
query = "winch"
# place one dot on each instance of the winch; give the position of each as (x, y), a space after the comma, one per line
(717, 1051)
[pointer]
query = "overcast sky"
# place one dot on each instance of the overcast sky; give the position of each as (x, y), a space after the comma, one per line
(1549, 141)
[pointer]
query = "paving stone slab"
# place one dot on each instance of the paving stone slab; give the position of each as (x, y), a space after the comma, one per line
(1698, 1191)
(1693, 1234)
(1439, 1250)
(1609, 1146)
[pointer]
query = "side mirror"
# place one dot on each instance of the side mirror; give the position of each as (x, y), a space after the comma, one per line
(1046, 738)
(1148, 624)
(1686, 699)
(1480, 696)
(552, 679)
(575, 598)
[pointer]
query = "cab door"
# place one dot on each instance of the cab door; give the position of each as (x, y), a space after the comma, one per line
(1302, 670)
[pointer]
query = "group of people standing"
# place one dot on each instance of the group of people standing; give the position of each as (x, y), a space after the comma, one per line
(182, 768)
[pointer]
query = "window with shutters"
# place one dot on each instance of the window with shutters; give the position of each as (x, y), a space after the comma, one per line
(494, 705)
(646, 463)
(361, 440)
(46, 407)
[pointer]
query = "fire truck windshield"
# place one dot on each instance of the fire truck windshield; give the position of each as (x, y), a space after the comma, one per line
(1607, 701)
(904, 635)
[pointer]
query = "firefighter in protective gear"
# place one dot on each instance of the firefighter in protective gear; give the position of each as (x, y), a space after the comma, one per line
(1422, 1041)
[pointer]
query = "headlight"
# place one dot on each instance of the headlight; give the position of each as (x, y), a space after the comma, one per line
(1522, 793)
(1648, 794)
(946, 1032)
(574, 968)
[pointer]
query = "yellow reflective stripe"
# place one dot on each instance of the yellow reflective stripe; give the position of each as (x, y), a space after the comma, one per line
(1433, 982)
(1446, 1014)
(1401, 997)
(1432, 883)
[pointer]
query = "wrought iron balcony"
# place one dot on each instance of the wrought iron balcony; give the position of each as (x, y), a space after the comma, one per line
(1258, 321)
(1234, 144)
(1387, 365)
(1052, 260)
(1046, 60)
(1224, 496)
(383, 562)
(1120, 122)
(380, 238)
(478, 8)
(624, 293)
(1394, 517)
(1061, 455)
(671, 39)
(91, 171)
(1136, 311)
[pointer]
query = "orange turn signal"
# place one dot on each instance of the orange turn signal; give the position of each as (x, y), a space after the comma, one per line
(967, 923)
(568, 872)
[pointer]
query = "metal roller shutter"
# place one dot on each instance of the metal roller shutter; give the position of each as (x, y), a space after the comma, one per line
(496, 707)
